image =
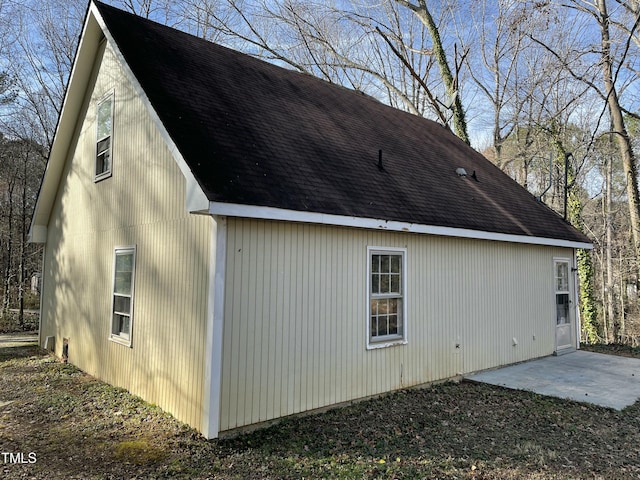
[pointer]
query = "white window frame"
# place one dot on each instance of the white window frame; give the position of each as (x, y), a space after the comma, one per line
(106, 172)
(391, 340)
(115, 334)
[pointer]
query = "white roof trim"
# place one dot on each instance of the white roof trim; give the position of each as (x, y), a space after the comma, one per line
(270, 213)
(65, 128)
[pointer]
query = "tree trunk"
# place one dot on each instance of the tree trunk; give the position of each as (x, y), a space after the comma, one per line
(459, 121)
(609, 289)
(8, 270)
(621, 333)
(603, 289)
(23, 242)
(620, 132)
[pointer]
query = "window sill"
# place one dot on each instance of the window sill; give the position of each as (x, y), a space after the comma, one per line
(102, 176)
(126, 342)
(390, 343)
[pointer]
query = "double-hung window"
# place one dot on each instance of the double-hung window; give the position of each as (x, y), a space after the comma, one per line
(122, 298)
(386, 324)
(104, 134)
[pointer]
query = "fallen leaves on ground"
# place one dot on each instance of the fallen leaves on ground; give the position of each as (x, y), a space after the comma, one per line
(79, 427)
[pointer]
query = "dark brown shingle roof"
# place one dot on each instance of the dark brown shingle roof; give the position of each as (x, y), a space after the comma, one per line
(257, 134)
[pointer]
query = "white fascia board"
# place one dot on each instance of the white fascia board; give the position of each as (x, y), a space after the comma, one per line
(270, 213)
(65, 129)
(37, 233)
(196, 199)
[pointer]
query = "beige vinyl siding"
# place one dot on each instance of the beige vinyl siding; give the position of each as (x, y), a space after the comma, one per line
(142, 204)
(295, 314)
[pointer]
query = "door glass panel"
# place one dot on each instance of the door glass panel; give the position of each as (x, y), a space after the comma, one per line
(562, 308)
(562, 277)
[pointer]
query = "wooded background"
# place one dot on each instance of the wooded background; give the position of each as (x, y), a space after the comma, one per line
(547, 90)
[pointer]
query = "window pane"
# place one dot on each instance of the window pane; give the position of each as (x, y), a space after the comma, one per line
(384, 264)
(123, 274)
(382, 325)
(103, 162)
(375, 263)
(395, 264)
(103, 145)
(104, 118)
(124, 262)
(374, 307)
(392, 306)
(121, 324)
(374, 326)
(383, 306)
(125, 322)
(121, 304)
(395, 283)
(122, 283)
(384, 284)
(393, 324)
(375, 283)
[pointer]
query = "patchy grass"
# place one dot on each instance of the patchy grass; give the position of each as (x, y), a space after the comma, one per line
(80, 428)
(139, 452)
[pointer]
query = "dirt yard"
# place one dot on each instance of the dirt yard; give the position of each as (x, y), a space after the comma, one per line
(59, 423)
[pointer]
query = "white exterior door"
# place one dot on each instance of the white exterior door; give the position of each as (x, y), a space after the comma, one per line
(564, 323)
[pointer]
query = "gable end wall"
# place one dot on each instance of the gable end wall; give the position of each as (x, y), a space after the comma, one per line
(141, 204)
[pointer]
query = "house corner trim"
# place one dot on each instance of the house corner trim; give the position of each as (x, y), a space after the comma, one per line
(576, 296)
(215, 328)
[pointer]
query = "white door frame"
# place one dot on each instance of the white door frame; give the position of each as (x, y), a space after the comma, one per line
(564, 306)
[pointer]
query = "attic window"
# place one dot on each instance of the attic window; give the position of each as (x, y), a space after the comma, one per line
(104, 134)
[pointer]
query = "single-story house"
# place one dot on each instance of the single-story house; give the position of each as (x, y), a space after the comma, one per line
(237, 242)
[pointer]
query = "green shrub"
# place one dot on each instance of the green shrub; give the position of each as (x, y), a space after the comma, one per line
(10, 322)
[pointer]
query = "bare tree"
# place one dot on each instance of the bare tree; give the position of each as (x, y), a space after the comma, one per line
(533, 70)
(618, 123)
(46, 37)
(422, 11)
(610, 66)
(40, 40)
(497, 43)
(326, 40)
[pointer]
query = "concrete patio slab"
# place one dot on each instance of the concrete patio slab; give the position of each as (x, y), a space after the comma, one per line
(605, 380)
